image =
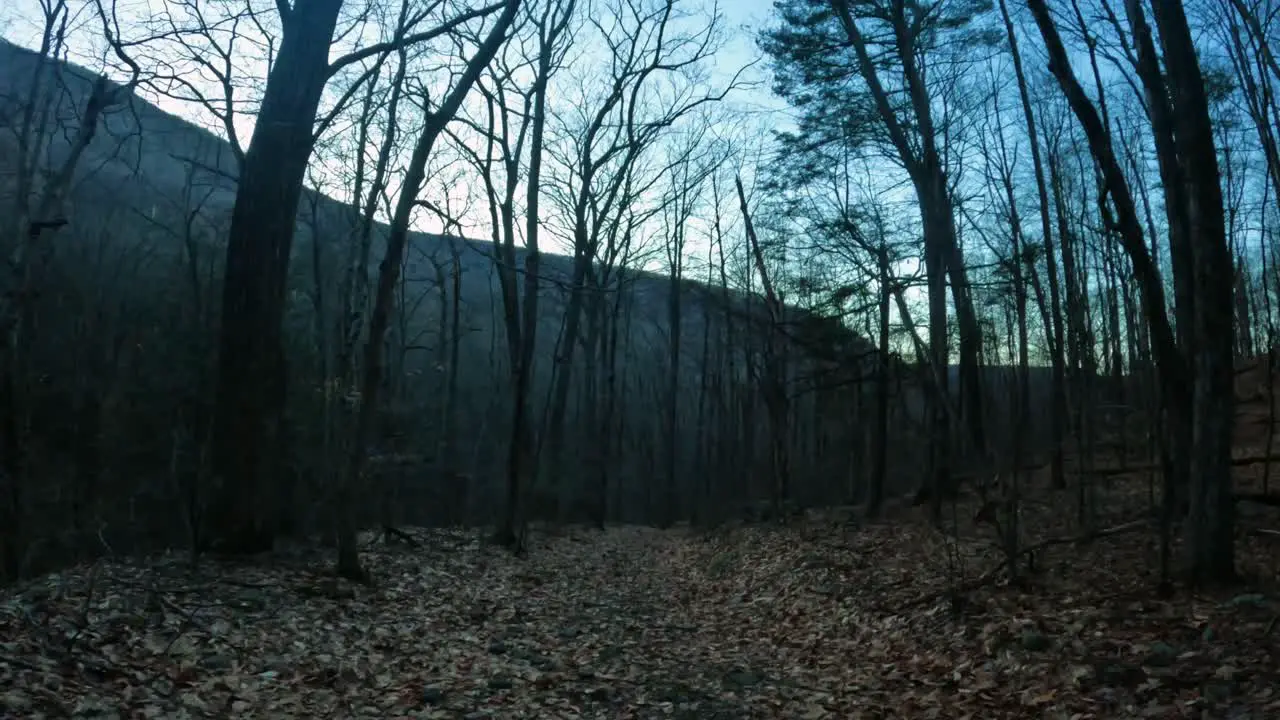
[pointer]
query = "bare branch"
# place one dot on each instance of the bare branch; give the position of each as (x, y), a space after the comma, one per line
(401, 40)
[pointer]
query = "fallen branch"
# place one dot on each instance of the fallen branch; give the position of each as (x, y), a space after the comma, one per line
(1260, 498)
(395, 532)
(990, 576)
(1235, 462)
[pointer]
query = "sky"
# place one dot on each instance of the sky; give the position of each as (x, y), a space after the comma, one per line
(20, 22)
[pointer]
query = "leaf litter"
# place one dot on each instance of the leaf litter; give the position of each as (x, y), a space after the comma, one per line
(817, 619)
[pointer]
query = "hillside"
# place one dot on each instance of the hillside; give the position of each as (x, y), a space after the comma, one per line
(143, 164)
(143, 161)
(135, 279)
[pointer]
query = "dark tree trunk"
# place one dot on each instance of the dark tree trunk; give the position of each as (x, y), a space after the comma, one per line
(611, 400)
(251, 385)
(773, 383)
(880, 449)
(935, 260)
(449, 435)
(1211, 525)
(672, 401)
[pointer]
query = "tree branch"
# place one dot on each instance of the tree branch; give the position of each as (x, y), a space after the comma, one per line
(406, 40)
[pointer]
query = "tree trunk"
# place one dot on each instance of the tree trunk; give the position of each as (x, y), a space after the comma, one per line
(773, 381)
(1211, 525)
(942, 254)
(1058, 409)
(251, 384)
(880, 449)
(388, 275)
(672, 401)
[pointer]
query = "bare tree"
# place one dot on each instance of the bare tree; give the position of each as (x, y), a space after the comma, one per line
(1211, 532)
(1198, 411)
(690, 169)
(516, 120)
(388, 274)
(251, 385)
(647, 47)
(1053, 330)
(773, 383)
(924, 163)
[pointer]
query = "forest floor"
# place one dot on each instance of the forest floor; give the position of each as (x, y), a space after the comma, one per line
(823, 618)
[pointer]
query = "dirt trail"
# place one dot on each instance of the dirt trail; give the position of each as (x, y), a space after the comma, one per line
(594, 625)
(628, 618)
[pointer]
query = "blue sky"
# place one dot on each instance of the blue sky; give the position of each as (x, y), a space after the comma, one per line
(20, 23)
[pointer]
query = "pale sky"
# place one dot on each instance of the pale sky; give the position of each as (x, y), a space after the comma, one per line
(20, 22)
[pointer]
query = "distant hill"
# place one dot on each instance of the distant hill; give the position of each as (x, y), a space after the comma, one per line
(143, 161)
(152, 165)
(135, 226)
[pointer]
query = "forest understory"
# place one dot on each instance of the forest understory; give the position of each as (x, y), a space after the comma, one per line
(825, 617)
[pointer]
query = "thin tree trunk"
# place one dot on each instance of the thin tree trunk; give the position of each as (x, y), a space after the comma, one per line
(880, 441)
(1058, 409)
(1211, 527)
(388, 275)
(774, 388)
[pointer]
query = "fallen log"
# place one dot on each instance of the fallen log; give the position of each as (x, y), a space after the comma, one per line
(1267, 499)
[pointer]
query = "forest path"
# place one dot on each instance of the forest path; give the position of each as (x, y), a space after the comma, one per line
(591, 625)
(814, 621)
(624, 618)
